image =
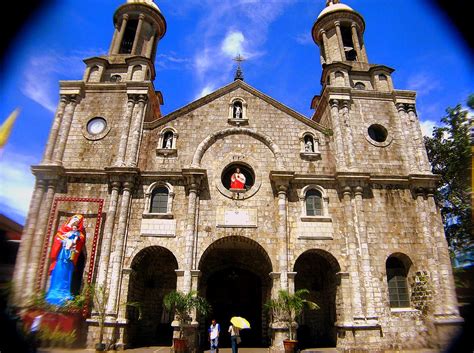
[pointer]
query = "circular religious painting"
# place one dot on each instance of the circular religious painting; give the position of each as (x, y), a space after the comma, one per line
(238, 176)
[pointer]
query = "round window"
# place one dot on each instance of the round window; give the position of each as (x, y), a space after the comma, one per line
(238, 176)
(96, 126)
(377, 133)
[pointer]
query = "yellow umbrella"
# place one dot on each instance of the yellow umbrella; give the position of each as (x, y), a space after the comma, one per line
(240, 322)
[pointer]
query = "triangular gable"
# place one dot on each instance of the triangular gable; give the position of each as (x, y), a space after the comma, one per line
(224, 90)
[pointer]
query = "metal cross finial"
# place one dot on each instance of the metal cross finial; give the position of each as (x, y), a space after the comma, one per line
(239, 74)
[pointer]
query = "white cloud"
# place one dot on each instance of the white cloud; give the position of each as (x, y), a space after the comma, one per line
(16, 182)
(233, 44)
(231, 27)
(427, 127)
(423, 83)
(43, 72)
(209, 88)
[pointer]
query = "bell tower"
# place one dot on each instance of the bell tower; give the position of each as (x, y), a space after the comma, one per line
(358, 101)
(139, 25)
(339, 31)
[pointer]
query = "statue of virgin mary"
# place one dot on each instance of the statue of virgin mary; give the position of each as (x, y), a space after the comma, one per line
(67, 245)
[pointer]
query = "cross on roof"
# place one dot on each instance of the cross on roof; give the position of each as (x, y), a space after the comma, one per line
(239, 74)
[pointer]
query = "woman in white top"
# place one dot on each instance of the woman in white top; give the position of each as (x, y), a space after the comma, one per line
(234, 338)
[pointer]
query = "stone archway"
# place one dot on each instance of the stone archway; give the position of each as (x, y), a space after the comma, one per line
(316, 271)
(235, 280)
(153, 276)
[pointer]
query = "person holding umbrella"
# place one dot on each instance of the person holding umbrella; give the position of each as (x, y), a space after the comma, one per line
(237, 323)
(234, 337)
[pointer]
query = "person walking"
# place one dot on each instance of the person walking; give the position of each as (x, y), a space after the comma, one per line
(214, 331)
(234, 338)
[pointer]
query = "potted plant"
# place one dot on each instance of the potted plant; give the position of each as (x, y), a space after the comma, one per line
(286, 308)
(181, 304)
(98, 296)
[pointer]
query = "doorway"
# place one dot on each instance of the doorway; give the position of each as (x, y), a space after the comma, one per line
(153, 276)
(235, 281)
(316, 271)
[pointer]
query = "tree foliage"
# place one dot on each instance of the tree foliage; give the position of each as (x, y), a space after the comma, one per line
(450, 155)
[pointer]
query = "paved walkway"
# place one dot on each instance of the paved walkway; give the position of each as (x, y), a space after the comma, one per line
(222, 350)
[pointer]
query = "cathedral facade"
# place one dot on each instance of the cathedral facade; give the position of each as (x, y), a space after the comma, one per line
(236, 196)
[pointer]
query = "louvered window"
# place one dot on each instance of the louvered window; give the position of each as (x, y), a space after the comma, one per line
(314, 203)
(159, 200)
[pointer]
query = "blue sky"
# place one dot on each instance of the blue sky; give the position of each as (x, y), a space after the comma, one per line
(195, 58)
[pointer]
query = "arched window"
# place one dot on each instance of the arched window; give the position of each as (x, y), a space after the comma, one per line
(359, 85)
(397, 283)
(314, 203)
(159, 200)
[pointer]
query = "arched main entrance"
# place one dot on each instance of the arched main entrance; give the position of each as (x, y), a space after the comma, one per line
(153, 276)
(235, 280)
(316, 271)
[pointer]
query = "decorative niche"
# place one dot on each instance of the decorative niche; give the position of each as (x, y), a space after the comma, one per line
(167, 142)
(237, 112)
(309, 146)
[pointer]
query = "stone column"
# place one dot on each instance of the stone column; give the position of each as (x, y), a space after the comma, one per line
(138, 33)
(149, 51)
(446, 280)
(24, 253)
(114, 38)
(283, 236)
(408, 143)
(136, 132)
(365, 267)
(355, 40)
(40, 235)
(339, 40)
(65, 127)
(122, 149)
(419, 145)
(348, 133)
(431, 255)
(108, 232)
(343, 303)
(53, 135)
(339, 141)
(352, 246)
(117, 255)
(189, 233)
(327, 58)
(118, 40)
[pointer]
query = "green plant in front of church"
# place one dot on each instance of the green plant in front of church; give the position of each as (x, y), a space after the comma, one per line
(287, 307)
(181, 304)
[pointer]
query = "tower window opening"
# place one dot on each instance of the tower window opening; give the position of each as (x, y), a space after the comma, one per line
(377, 132)
(128, 37)
(349, 50)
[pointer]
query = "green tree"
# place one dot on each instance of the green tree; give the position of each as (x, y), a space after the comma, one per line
(450, 155)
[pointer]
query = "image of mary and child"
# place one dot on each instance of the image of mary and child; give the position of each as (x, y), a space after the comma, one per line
(214, 332)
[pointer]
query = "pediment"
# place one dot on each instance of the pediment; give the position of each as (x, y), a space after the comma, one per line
(225, 90)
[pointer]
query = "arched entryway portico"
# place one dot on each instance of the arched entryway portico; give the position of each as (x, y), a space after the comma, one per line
(316, 271)
(153, 276)
(235, 280)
